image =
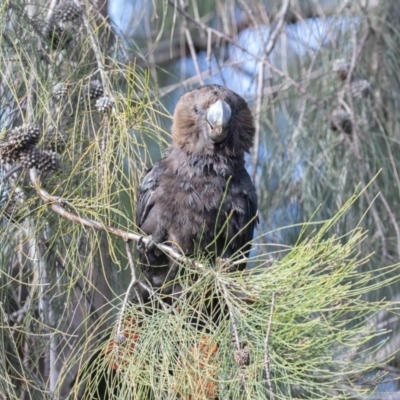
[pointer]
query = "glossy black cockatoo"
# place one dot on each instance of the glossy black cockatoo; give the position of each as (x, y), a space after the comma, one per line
(199, 198)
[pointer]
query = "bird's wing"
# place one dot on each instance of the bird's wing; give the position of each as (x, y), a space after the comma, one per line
(146, 194)
(243, 219)
(251, 213)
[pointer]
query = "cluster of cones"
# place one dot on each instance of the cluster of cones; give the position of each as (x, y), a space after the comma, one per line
(20, 147)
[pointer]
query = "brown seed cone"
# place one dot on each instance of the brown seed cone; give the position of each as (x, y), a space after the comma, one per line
(23, 137)
(342, 119)
(360, 88)
(242, 356)
(60, 90)
(43, 160)
(67, 12)
(104, 104)
(342, 68)
(95, 89)
(9, 154)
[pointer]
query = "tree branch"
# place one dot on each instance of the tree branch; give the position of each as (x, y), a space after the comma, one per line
(10, 172)
(266, 348)
(56, 205)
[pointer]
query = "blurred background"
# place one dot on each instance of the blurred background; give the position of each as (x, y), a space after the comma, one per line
(322, 79)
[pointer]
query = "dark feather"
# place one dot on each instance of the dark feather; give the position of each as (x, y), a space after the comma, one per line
(199, 187)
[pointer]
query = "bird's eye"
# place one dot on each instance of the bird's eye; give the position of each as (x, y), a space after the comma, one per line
(196, 109)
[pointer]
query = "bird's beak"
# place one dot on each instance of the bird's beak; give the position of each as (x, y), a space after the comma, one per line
(218, 117)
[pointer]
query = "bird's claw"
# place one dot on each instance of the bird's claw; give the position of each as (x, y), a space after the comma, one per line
(145, 244)
(148, 245)
(140, 245)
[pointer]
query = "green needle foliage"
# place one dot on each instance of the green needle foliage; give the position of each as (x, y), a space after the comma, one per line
(302, 321)
(308, 321)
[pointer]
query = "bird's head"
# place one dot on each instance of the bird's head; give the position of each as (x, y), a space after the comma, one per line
(213, 119)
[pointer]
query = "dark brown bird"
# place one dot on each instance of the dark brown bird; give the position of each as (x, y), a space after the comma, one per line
(199, 197)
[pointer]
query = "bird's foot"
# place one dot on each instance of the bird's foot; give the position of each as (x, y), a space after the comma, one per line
(149, 244)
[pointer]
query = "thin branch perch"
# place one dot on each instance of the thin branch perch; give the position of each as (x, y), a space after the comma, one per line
(55, 204)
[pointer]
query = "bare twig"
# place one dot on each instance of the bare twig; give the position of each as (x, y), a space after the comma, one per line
(41, 280)
(133, 274)
(10, 172)
(267, 90)
(276, 31)
(49, 17)
(100, 65)
(134, 282)
(125, 302)
(95, 47)
(235, 333)
(191, 48)
(256, 145)
(269, 46)
(51, 315)
(266, 348)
